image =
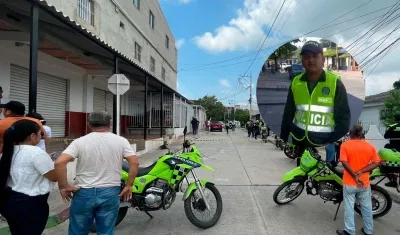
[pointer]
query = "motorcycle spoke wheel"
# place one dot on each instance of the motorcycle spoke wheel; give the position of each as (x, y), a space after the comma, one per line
(288, 191)
(381, 202)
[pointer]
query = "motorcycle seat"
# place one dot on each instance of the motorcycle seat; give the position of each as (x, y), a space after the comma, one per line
(339, 170)
(142, 170)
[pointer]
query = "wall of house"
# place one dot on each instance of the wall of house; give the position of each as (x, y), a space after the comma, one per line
(108, 16)
(370, 115)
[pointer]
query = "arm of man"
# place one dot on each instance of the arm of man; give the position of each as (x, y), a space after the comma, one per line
(341, 114)
(344, 160)
(69, 155)
(288, 115)
(133, 161)
(48, 133)
(375, 162)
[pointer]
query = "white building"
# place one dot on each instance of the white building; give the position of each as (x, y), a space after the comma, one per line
(371, 112)
(75, 46)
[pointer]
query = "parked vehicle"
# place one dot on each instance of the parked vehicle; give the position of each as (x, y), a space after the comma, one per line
(289, 150)
(295, 70)
(321, 178)
(217, 125)
(155, 187)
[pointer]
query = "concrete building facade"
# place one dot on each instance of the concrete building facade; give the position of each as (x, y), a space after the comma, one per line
(60, 55)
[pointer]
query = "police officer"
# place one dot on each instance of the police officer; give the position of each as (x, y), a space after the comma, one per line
(393, 134)
(317, 111)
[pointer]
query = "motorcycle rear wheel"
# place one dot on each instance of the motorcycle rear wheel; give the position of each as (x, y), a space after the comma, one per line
(286, 184)
(193, 219)
(121, 215)
(388, 199)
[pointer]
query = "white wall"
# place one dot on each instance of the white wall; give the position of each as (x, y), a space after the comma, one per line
(371, 116)
(46, 64)
(109, 14)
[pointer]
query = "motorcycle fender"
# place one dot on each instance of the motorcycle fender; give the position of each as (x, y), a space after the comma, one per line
(296, 172)
(207, 167)
(376, 173)
(193, 186)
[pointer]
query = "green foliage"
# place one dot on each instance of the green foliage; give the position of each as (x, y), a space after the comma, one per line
(391, 105)
(241, 115)
(214, 108)
(330, 53)
(327, 44)
(284, 51)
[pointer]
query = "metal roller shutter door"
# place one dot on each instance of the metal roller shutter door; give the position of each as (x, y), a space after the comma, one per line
(51, 99)
(102, 101)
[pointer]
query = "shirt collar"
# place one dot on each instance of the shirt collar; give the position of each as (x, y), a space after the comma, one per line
(322, 78)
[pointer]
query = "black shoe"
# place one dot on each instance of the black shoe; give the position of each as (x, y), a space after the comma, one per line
(342, 232)
(392, 184)
(362, 230)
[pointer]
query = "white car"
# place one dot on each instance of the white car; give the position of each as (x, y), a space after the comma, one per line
(284, 65)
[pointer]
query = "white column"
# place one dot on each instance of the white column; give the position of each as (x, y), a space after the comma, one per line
(151, 107)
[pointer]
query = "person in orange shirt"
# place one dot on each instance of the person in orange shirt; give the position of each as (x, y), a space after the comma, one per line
(359, 158)
(14, 111)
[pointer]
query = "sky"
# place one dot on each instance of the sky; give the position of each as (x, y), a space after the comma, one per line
(218, 43)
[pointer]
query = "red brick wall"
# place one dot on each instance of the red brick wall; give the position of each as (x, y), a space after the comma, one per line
(124, 123)
(75, 124)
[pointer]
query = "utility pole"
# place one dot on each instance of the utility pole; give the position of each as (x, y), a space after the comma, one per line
(232, 103)
(251, 90)
(337, 58)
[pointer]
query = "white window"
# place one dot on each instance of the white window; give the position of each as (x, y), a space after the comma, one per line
(166, 41)
(163, 73)
(86, 11)
(152, 64)
(138, 52)
(137, 4)
(151, 19)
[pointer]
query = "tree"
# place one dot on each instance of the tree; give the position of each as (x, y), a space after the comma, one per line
(242, 115)
(214, 108)
(284, 51)
(327, 43)
(391, 105)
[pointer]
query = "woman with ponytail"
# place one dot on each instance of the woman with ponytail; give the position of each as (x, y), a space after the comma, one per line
(26, 178)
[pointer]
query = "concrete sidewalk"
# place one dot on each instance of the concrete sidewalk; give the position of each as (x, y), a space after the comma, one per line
(59, 210)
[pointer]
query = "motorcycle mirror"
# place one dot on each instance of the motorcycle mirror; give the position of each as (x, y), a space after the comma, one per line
(185, 130)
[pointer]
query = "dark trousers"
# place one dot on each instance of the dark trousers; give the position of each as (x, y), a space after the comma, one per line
(299, 150)
(25, 215)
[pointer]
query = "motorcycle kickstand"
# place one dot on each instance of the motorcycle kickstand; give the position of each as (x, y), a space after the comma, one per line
(147, 213)
(337, 211)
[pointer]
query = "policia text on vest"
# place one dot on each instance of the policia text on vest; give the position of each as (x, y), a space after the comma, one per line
(316, 116)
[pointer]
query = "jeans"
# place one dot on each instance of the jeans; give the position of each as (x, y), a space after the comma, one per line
(25, 214)
(101, 204)
(363, 196)
(330, 152)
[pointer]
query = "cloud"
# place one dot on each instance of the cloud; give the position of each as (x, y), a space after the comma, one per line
(179, 43)
(185, 1)
(225, 83)
(248, 28)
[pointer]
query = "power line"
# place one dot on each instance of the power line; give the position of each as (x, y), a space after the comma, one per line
(305, 34)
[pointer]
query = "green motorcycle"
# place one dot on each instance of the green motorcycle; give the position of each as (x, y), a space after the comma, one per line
(155, 187)
(321, 178)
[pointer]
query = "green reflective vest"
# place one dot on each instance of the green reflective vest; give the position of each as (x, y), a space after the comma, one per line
(314, 114)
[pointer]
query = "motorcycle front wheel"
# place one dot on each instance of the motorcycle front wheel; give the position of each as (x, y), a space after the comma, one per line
(121, 215)
(289, 152)
(289, 194)
(379, 209)
(196, 202)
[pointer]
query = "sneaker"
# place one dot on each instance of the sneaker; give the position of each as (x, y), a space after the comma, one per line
(392, 184)
(342, 232)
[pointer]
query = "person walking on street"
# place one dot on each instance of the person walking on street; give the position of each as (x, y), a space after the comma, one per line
(195, 125)
(317, 111)
(27, 177)
(227, 127)
(250, 128)
(359, 158)
(99, 156)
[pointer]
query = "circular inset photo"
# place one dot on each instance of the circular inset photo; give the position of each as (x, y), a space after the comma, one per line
(310, 90)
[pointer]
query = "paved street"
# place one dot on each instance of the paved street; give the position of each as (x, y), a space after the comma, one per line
(272, 90)
(247, 173)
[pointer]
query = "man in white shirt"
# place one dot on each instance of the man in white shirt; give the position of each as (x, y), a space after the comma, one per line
(43, 142)
(98, 176)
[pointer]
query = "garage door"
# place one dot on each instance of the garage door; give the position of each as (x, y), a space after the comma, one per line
(102, 101)
(51, 97)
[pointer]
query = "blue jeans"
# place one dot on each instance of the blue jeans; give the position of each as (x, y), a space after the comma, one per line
(101, 204)
(330, 152)
(363, 196)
